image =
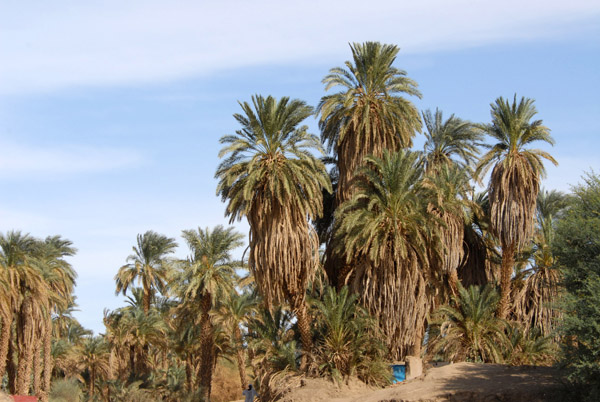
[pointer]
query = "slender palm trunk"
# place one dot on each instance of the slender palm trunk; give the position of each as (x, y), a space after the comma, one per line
(48, 361)
(92, 382)
(189, 374)
(206, 347)
(506, 270)
(5, 333)
(241, 358)
(11, 370)
(305, 334)
(37, 365)
(25, 338)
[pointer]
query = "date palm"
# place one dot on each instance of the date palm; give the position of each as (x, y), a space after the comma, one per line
(450, 141)
(19, 260)
(535, 300)
(468, 329)
(272, 178)
(60, 278)
(515, 180)
(448, 186)
(386, 227)
(368, 115)
(235, 311)
(206, 278)
(148, 264)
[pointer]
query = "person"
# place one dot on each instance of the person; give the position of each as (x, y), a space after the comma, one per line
(249, 393)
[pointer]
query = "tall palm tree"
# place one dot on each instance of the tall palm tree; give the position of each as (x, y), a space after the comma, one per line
(535, 299)
(448, 186)
(93, 354)
(367, 116)
(515, 180)
(235, 311)
(272, 178)
(147, 264)
(386, 227)
(19, 259)
(60, 277)
(207, 278)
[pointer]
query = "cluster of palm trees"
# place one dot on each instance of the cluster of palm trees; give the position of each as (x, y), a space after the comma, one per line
(36, 293)
(350, 266)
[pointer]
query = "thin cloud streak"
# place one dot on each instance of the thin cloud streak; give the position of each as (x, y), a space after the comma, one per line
(134, 42)
(21, 161)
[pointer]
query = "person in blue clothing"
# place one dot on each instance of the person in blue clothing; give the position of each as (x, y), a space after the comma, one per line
(250, 394)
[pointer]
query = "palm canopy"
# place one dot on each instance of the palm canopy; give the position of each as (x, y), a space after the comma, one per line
(270, 163)
(147, 264)
(210, 269)
(517, 171)
(368, 114)
(386, 228)
(272, 178)
(449, 141)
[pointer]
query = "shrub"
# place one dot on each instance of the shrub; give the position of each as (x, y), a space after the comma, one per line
(577, 248)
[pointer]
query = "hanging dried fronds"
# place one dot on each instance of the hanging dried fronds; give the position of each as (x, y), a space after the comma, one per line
(386, 227)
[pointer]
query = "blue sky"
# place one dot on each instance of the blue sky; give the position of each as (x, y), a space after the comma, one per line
(110, 114)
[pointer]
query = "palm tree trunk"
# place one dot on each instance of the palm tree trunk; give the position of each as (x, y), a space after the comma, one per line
(5, 333)
(506, 270)
(37, 366)
(241, 357)
(92, 382)
(25, 338)
(11, 370)
(206, 347)
(189, 374)
(48, 362)
(305, 334)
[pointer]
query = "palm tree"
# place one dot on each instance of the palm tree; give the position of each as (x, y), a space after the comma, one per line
(347, 337)
(448, 185)
(272, 178)
(94, 355)
(207, 278)
(469, 329)
(366, 117)
(453, 141)
(515, 180)
(235, 311)
(147, 264)
(19, 259)
(386, 228)
(535, 300)
(60, 277)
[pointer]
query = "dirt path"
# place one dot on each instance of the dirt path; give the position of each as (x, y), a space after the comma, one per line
(454, 382)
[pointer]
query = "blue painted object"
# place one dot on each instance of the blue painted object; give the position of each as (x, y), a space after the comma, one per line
(399, 371)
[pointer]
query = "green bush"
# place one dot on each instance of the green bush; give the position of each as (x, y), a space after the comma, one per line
(577, 248)
(66, 390)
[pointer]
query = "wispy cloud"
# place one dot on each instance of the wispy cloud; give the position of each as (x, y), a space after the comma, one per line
(25, 161)
(47, 46)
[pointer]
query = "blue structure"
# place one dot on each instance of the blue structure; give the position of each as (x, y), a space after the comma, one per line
(399, 372)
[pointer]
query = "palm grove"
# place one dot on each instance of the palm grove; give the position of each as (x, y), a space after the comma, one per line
(361, 251)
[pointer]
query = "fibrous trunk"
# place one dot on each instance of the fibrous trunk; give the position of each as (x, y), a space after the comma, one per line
(506, 270)
(48, 361)
(25, 337)
(5, 333)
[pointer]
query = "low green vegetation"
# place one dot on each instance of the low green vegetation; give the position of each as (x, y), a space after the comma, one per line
(374, 253)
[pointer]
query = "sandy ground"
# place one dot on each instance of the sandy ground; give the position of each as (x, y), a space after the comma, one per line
(454, 382)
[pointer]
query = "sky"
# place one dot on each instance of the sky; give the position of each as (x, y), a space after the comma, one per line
(111, 111)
